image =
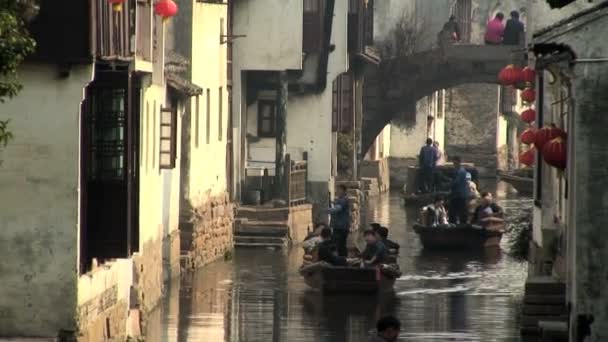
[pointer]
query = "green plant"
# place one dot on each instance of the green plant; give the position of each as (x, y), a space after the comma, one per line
(15, 44)
(519, 240)
(345, 152)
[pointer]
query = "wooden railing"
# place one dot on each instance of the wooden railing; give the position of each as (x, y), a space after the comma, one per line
(296, 173)
(120, 35)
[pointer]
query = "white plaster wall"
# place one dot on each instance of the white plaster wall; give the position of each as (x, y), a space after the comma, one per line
(208, 158)
(39, 200)
(406, 141)
(309, 116)
(159, 189)
(267, 44)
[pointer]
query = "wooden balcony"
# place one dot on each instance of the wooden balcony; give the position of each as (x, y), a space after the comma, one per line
(124, 35)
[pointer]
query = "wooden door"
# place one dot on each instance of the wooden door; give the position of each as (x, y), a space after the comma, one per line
(109, 167)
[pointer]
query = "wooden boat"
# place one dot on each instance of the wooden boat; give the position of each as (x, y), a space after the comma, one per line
(460, 237)
(522, 183)
(339, 279)
(423, 198)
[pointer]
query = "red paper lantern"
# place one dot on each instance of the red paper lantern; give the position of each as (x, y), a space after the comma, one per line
(528, 95)
(546, 134)
(116, 5)
(528, 136)
(527, 158)
(165, 8)
(528, 75)
(555, 153)
(528, 115)
(509, 75)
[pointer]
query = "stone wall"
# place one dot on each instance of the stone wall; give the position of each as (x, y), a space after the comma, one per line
(378, 169)
(398, 171)
(300, 222)
(471, 125)
(212, 230)
(149, 275)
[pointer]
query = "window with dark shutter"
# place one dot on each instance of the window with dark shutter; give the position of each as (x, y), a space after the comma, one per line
(266, 118)
(462, 12)
(342, 103)
(312, 33)
(168, 138)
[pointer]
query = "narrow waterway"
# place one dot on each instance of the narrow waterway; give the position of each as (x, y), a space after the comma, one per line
(259, 296)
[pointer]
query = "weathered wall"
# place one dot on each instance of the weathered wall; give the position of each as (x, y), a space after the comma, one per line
(471, 125)
(212, 230)
(104, 300)
(408, 138)
(587, 246)
(264, 22)
(39, 201)
(209, 123)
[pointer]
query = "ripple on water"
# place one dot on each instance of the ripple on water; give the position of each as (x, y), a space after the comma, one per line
(259, 296)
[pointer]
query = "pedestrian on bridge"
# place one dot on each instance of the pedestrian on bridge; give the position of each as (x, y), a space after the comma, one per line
(514, 31)
(495, 30)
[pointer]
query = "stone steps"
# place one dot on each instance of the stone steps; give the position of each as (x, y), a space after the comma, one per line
(260, 241)
(544, 312)
(263, 213)
(254, 233)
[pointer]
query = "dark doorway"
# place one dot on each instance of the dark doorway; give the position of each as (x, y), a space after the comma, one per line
(110, 167)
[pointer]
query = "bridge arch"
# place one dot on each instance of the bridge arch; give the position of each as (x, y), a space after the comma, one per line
(392, 89)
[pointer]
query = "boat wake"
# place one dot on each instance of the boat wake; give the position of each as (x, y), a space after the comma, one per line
(433, 291)
(449, 276)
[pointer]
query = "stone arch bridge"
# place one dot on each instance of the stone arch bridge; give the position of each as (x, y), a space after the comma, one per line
(391, 89)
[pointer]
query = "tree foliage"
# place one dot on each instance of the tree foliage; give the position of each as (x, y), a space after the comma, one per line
(15, 44)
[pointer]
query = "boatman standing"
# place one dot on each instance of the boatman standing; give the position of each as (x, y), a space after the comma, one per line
(459, 195)
(340, 220)
(427, 161)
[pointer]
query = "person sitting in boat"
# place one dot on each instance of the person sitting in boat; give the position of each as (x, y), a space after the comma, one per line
(375, 252)
(387, 329)
(473, 192)
(436, 215)
(391, 246)
(313, 239)
(487, 212)
(328, 251)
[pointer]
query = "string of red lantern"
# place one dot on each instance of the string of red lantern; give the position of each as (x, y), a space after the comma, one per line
(165, 9)
(527, 158)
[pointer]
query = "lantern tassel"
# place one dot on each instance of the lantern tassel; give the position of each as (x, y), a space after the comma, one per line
(117, 7)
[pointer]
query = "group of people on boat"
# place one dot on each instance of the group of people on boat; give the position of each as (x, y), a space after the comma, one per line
(322, 246)
(466, 204)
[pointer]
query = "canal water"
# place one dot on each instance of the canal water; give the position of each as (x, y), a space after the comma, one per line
(259, 296)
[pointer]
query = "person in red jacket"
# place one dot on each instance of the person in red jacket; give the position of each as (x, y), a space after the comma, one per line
(495, 30)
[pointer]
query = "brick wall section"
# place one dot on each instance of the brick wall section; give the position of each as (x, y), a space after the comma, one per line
(107, 326)
(470, 130)
(378, 169)
(212, 234)
(149, 275)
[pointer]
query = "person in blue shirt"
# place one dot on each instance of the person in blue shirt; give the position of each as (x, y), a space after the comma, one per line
(459, 194)
(427, 161)
(340, 220)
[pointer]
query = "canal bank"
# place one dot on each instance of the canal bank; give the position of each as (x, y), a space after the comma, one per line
(259, 296)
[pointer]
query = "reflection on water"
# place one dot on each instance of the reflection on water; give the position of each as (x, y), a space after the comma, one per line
(259, 296)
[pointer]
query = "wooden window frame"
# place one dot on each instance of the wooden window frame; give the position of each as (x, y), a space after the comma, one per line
(172, 138)
(208, 131)
(313, 21)
(273, 116)
(220, 106)
(197, 110)
(343, 103)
